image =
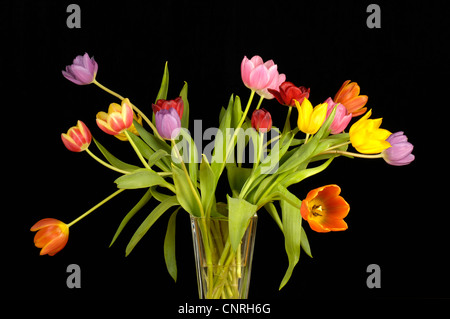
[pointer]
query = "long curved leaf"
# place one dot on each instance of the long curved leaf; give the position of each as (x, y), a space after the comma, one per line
(169, 246)
(144, 200)
(114, 161)
(149, 221)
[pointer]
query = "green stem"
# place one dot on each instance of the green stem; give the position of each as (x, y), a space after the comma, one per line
(106, 164)
(287, 123)
(136, 149)
(339, 145)
(307, 137)
(261, 98)
(191, 186)
(120, 97)
(95, 207)
(249, 182)
(231, 144)
(353, 154)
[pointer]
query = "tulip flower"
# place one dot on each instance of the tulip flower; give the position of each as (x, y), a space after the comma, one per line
(261, 120)
(114, 107)
(78, 138)
(309, 119)
(399, 153)
(348, 95)
(52, 235)
(366, 136)
(260, 76)
(118, 119)
(325, 210)
(341, 116)
(82, 71)
(177, 104)
(288, 93)
(168, 123)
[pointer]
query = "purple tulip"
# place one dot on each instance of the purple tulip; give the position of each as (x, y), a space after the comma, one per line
(400, 151)
(82, 71)
(168, 123)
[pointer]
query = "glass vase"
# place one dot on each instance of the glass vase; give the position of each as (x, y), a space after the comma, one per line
(221, 272)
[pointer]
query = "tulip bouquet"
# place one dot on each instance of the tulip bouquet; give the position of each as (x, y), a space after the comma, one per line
(176, 174)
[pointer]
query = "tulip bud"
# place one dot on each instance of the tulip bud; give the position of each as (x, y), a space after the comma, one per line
(78, 138)
(341, 116)
(168, 123)
(348, 95)
(399, 153)
(118, 119)
(177, 104)
(367, 137)
(261, 120)
(82, 71)
(288, 93)
(52, 235)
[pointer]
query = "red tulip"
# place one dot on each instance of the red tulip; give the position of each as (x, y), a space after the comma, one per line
(177, 104)
(261, 120)
(288, 93)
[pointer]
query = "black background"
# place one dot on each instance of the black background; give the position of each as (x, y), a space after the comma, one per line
(398, 217)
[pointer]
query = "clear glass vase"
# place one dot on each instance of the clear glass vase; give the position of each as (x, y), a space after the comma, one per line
(221, 272)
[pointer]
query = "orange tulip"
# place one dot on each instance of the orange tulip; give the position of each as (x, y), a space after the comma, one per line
(52, 235)
(324, 209)
(348, 95)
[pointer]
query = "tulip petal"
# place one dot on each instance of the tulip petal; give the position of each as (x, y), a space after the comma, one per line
(127, 113)
(69, 143)
(104, 126)
(44, 223)
(259, 78)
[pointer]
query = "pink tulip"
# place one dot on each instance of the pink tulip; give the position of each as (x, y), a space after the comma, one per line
(341, 117)
(168, 123)
(259, 76)
(82, 71)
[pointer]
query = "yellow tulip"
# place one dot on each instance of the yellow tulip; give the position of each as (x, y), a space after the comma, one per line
(366, 136)
(309, 119)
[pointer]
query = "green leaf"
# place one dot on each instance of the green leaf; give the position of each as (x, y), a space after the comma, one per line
(221, 140)
(305, 243)
(272, 210)
(239, 213)
(184, 191)
(115, 161)
(155, 157)
(155, 144)
(237, 176)
(188, 150)
(297, 177)
(144, 200)
(149, 221)
(151, 140)
(164, 88)
(207, 185)
(183, 94)
(292, 229)
(141, 178)
(237, 112)
(169, 246)
(143, 148)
